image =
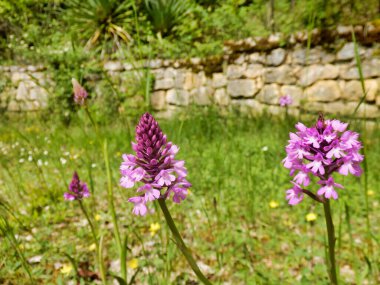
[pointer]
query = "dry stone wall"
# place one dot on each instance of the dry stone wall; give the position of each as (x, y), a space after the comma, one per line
(315, 79)
(23, 88)
(251, 76)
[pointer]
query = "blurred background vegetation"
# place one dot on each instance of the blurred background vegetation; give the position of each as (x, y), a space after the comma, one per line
(73, 38)
(43, 30)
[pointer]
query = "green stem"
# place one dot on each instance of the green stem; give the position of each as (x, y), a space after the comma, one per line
(181, 244)
(331, 241)
(111, 206)
(89, 221)
(93, 231)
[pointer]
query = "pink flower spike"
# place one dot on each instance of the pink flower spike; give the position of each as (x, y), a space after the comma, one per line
(350, 166)
(153, 165)
(338, 125)
(139, 208)
(301, 127)
(302, 177)
(285, 100)
(294, 195)
(328, 190)
(316, 165)
(179, 168)
(80, 94)
(151, 194)
(350, 139)
(179, 195)
(68, 197)
(165, 178)
(129, 160)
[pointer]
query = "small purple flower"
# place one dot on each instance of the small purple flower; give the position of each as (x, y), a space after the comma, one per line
(285, 100)
(328, 190)
(294, 195)
(80, 94)
(321, 151)
(155, 166)
(77, 189)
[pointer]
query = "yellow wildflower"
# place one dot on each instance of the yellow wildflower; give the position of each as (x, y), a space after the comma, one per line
(97, 217)
(92, 247)
(273, 204)
(311, 217)
(133, 263)
(66, 269)
(154, 228)
(370, 193)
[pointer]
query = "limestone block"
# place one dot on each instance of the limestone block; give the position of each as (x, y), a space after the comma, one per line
(323, 91)
(22, 92)
(17, 77)
(276, 57)
(313, 73)
(352, 90)
(256, 58)
(254, 71)
(370, 69)
(221, 97)
(347, 52)
(294, 92)
(199, 79)
(281, 75)
(219, 80)
(13, 106)
(178, 97)
(244, 87)
(184, 80)
(235, 71)
(202, 95)
(365, 110)
(269, 94)
(155, 63)
(170, 73)
(164, 84)
(158, 100)
(38, 94)
(249, 106)
(158, 73)
(113, 66)
(240, 60)
(303, 56)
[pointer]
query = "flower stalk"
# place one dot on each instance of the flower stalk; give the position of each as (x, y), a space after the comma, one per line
(81, 99)
(96, 241)
(331, 242)
(122, 253)
(180, 243)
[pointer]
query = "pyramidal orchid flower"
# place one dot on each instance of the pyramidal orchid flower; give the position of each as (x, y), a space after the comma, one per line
(321, 151)
(154, 167)
(285, 101)
(159, 176)
(77, 189)
(80, 94)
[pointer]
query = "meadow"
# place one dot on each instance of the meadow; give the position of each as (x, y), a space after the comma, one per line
(236, 219)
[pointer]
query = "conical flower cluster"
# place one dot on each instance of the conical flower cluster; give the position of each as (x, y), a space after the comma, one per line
(320, 151)
(77, 189)
(154, 166)
(80, 94)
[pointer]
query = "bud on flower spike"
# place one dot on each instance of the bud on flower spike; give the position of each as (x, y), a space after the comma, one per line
(80, 94)
(154, 165)
(77, 189)
(321, 151)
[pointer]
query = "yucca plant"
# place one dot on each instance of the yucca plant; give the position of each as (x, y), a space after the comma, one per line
(101, 22)
(166, 14)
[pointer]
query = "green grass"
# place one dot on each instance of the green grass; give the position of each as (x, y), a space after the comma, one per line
(234, 164)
